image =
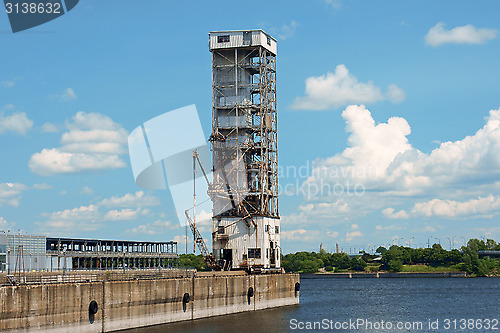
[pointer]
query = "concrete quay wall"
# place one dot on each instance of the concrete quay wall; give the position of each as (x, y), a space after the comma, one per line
(129, 304)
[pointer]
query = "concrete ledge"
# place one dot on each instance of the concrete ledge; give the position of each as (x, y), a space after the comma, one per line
(131, 304)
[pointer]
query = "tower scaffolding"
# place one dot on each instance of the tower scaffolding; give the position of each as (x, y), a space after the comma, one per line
(244, 147)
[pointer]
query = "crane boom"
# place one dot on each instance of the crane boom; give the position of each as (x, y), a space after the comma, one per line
(209, 259)
(197, 158)
(198, 239)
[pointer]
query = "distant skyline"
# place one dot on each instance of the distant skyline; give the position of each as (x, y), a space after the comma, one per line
(388, 117)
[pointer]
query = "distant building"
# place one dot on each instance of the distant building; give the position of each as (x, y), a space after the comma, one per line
(22, 252)
(40, 253)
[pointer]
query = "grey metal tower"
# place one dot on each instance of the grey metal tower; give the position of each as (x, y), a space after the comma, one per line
(244, 145)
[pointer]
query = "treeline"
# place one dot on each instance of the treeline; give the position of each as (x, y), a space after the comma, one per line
(311, 262)
(396, 257)
(191, 260)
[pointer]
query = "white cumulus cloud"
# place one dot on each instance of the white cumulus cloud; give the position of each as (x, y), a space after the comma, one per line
(16, 122)
(391, 227)
(340, 88)
(49, 128)
(395, 94)
(354, 234)
(386, 168)
(157, 227)
(479, 207)
(87, 190)
(286, 31)
(95, 216)
(121, 215)
(11, 193)
(389, 213)
(68, 95)
(70, 221)
(467, 34)
(139, 199)
(293, 234)
(93, 142)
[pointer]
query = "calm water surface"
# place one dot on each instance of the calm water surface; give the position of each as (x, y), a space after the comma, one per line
(404, 300)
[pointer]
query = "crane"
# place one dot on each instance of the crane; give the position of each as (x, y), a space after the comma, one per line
(198, 239)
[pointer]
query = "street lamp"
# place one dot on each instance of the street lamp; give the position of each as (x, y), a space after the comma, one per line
(7, 262)
(429, 241)
(448, 238)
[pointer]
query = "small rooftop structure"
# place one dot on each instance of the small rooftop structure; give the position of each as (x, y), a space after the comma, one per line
(242, 38)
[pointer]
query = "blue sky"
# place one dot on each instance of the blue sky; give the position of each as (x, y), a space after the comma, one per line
(393, 97)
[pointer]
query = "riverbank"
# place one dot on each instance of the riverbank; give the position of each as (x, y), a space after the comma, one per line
(384, 275)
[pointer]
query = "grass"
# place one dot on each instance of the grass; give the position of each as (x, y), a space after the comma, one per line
(430, 269)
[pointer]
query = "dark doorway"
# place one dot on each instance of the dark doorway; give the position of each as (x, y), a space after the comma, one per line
(247, 38)
(227, 258)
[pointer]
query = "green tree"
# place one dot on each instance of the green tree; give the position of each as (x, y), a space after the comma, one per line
(473, 264)
(340, 260)
(358, 264)
(191, 260)
(395, 265)
(310, 266)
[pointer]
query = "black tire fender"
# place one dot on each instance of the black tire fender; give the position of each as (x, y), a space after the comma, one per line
(93, 307)
(186, 298)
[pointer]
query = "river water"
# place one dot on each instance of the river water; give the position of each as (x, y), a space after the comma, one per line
(369, 305)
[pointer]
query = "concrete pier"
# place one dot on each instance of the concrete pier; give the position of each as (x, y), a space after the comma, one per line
(67, 307)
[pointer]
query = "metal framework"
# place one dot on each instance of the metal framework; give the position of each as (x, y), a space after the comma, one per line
(111, 254)
(244, 132)
(198, 239)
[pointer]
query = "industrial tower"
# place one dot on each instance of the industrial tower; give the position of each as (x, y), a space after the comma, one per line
(246, 223)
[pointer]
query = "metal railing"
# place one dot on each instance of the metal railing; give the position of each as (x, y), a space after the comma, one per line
(93, 276)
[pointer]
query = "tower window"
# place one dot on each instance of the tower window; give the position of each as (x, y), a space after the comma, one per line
(268, 40)
(223, 39)
(267, 227)
(277, 229)
(254, 253)
(220, 230)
